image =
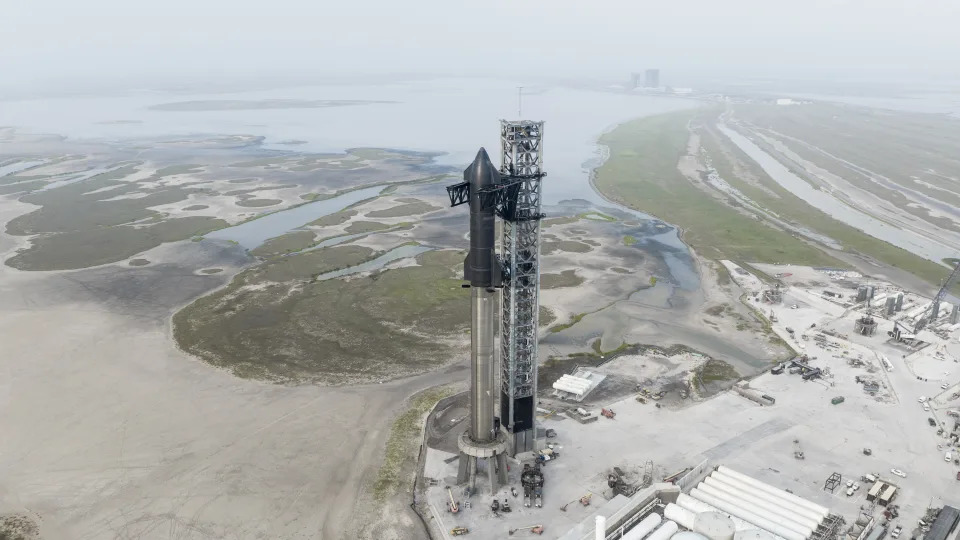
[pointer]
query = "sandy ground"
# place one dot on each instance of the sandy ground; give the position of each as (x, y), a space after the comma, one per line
(111, 432)
(733, 431)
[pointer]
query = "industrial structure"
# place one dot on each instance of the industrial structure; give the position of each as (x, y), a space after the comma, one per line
(513, 194)
(651, 78)
(483, 441)
(929, 314)
(726, 505)
(866, 325)
(521, 169)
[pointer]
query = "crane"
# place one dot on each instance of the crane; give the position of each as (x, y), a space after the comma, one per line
(930, 313)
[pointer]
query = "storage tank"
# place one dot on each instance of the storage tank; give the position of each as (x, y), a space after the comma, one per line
(679, 514)
(664, 531)
(764, 513)
(743, 486)
(643, 528)
(714, 526)
(753, 534)
(748, 516)
(774, 505)
(688, 535)
(774, 491)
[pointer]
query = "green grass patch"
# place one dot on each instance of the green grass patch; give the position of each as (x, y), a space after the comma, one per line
(629, 240)
(402, 444)
(596, 216)
(573, 320)
(642, 173)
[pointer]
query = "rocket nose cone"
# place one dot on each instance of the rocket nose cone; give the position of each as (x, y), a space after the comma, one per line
(481, 172)
(481, 156)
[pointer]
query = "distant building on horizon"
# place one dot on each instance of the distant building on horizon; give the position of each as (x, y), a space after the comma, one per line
(651, 78)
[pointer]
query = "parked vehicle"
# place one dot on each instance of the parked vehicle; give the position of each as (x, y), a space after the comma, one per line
(849, 492)
(856, 486)
(899, 473)
(931, 421)
(947, 457)
(849, 483)
(896, 531)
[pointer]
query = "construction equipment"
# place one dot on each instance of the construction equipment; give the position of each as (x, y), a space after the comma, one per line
(585, 501)
(495, 506)
(505, 506)
(608, 413)
(797, 449)
(459, 531)
(532, 481)
(535, 529)
(452, 506)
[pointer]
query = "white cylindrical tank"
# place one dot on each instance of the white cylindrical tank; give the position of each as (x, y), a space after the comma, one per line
(770, 504)
(664, 531)
(714, 526)
(688, 535)
(601, 529)
(689, 503)
(746, 515)
(679, 514)
(753, 534)
(756, 510)
(774, 491)
(643, 528)
(747, 488)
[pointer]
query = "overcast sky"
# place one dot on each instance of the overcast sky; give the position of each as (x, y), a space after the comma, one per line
(90, 40)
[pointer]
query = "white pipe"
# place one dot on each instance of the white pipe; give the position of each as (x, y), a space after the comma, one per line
(760, 511)
(689, 503)
(770, 504)
(746, 515)
(726, 480)
(680, 515)
(664, 532)
(775, 491)
(643, 528)
(601, 532)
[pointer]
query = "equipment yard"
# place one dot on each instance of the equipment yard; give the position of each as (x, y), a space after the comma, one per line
(857, 420)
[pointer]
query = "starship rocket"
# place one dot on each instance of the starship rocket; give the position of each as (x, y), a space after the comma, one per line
(482, 269)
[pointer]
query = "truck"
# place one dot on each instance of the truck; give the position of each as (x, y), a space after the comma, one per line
(837, 400)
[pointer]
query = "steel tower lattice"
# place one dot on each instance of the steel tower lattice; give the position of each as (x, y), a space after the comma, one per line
(521, 171)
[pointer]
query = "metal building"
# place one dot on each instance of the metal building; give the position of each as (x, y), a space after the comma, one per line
(944, 524)
(899, 301)
(651, 78)
(521, 145)
(862, 293)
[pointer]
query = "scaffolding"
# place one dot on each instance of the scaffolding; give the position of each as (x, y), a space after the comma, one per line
(518, 204)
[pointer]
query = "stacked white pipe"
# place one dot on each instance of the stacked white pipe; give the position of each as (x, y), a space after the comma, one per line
(789, 498)
(643, 528)
(722, 486)
(695, 507)
(764, 506)
(574, 385)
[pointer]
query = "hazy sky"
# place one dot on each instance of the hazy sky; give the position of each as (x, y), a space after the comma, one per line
(126, 40)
